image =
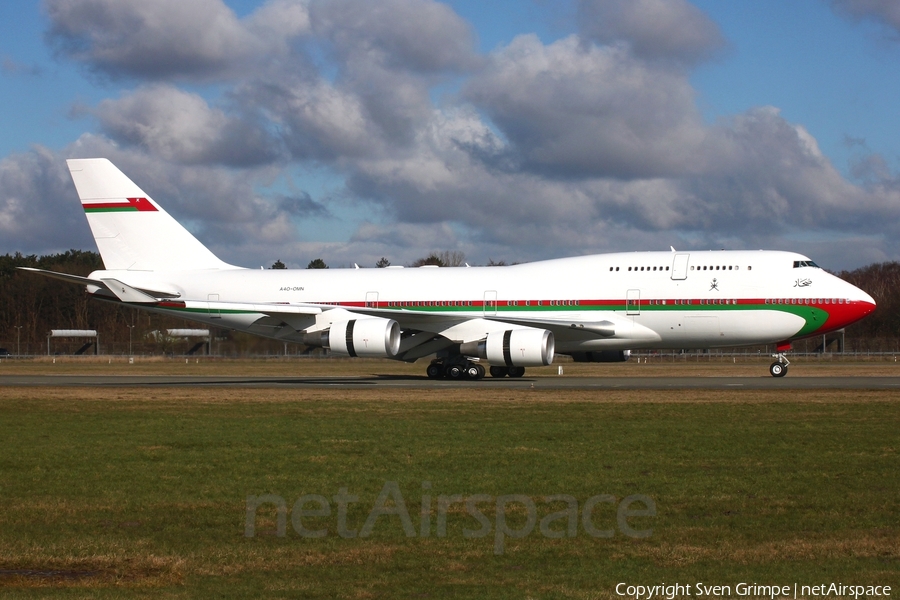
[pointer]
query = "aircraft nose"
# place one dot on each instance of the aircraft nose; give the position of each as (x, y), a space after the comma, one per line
(866, 303)
(856, 305)
(861, 305)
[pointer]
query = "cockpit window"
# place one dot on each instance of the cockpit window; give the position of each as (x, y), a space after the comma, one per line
(805, 263)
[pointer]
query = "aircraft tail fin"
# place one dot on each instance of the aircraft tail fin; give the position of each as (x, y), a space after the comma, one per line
(131, 230)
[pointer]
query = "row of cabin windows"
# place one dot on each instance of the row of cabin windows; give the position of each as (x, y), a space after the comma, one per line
(720, 268)
(430, 303)
(807, 301)
(704, 301)
(491, 303)
(697, 268)
(642, 268)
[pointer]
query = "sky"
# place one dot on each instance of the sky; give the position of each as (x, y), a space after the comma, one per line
(351, 130)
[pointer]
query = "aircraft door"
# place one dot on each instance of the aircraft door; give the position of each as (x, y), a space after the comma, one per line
(680, 266)
(633, 302)
(490, 303)
(371, 299)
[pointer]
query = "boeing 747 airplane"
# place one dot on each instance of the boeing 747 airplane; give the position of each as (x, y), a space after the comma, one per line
(593, 308)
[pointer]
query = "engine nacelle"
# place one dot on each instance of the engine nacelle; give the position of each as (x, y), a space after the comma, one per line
(371, 336)
(514, 348)
(601, 356)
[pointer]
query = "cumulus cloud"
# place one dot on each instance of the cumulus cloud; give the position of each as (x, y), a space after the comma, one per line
(316, 120)
(885, 12)
(390, 53)
(169, 38)
(8, 66)
(181, 127)
(571, 109)
(412, 35)
(39, 209)
(671, 31)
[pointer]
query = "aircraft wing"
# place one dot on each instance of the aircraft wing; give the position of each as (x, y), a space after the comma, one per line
(468, 328)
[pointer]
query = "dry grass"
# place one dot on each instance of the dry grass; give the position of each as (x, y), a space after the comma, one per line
(389, 401)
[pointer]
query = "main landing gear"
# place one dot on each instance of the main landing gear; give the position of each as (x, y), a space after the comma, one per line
(466, 369)
(507, 371)
(457, 369)
(779, 368)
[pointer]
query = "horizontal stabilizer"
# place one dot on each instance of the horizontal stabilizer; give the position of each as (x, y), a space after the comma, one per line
(99, 284)
(64, 277)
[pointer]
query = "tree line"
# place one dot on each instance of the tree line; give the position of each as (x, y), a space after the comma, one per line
(31, 305)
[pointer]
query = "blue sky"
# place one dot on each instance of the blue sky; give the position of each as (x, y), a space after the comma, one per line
(351, 130)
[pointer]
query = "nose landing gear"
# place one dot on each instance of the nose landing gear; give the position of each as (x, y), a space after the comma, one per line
(779, 368)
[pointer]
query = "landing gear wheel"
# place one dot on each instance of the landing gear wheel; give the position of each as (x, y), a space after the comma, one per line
(435, 371)
(455, 372)
(516, 371)
(778, 369)
(474, 371)
(499, 371)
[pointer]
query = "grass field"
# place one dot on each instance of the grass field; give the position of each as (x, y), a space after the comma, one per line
(139, 492)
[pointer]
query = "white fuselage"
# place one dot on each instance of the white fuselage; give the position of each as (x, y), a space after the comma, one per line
(600, 302)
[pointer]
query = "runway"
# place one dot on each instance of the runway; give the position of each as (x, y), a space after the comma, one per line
(422, 383)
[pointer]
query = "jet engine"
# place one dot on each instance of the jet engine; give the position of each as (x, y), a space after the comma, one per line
(602, 356)
(371, 336)
(514, 348)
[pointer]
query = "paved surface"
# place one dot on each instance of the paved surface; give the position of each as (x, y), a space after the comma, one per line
(392, 381)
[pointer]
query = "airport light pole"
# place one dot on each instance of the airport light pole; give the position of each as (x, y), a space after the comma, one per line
(130, 330)
(18, 340)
